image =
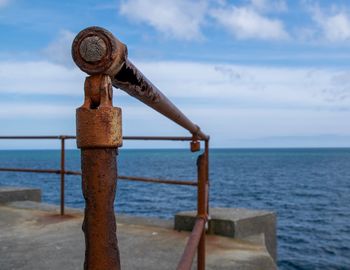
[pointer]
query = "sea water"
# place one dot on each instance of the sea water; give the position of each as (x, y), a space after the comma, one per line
(309, 189)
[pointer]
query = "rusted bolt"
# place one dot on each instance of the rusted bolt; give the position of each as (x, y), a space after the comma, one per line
(92, 49)
(96, 51)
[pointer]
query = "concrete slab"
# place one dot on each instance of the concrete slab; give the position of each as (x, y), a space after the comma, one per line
(38, 239)
(238, 223)
(11, 194)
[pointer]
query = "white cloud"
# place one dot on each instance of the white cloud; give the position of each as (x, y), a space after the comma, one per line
(175, 18)
(338, 27)
(40, 78)
(252, 86)
(227, 101)
(332, 25)
(4, 3)
(35, 111)
(270, 5)
(246, 22)
(59, 51)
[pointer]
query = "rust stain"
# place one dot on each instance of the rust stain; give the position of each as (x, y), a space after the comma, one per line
(55, 218)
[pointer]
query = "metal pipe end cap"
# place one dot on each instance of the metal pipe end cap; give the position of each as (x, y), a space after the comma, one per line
(96, 51)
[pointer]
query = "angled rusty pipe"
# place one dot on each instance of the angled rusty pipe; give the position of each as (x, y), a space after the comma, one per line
(96, 51)
(192, 245)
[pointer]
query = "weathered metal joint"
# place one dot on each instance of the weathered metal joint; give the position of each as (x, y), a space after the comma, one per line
(99, 124)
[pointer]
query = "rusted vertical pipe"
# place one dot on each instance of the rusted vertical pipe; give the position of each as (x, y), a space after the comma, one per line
(206, 151)
(62, 173)
(99, 169)
(98, 137)
(202, 207)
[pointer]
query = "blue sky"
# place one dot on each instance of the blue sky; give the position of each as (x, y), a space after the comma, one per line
(252, 73)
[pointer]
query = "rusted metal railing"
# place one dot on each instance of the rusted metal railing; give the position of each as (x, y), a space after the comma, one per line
(99, 135)
(197, 238)
(62, 171)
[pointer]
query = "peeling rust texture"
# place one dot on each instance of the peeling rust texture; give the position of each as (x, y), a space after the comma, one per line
(96, 51)
(132, 81)
(99, 169)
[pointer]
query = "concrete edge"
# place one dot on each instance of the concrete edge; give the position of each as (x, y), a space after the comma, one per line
(11, 194)
(120, 218)
(236, 223)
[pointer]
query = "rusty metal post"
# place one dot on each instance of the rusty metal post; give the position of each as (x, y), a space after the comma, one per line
(62, 172)
(98, 137)
(206, 151)
(202, 206)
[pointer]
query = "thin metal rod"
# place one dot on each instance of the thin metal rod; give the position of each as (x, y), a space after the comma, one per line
(121, 177)
(157, 138)
(191, 247)
(134, 138)
(36, 137)
(62, 172)
(30, 170)
(157, 181)
(72, 172)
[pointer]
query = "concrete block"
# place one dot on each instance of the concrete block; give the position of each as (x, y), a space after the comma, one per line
(237, 223)
(11, 194)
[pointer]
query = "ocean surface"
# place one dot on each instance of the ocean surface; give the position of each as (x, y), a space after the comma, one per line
(309, 189)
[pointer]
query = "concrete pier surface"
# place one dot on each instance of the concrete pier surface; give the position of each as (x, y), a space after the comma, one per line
(34, 236)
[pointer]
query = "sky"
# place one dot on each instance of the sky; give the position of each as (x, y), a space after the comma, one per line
(250, 73)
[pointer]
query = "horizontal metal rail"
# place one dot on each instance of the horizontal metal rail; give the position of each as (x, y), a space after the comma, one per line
(37, 137)
(30, 170)
(158, 181)
(133, 138)
(157, 138)
(121, 177)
